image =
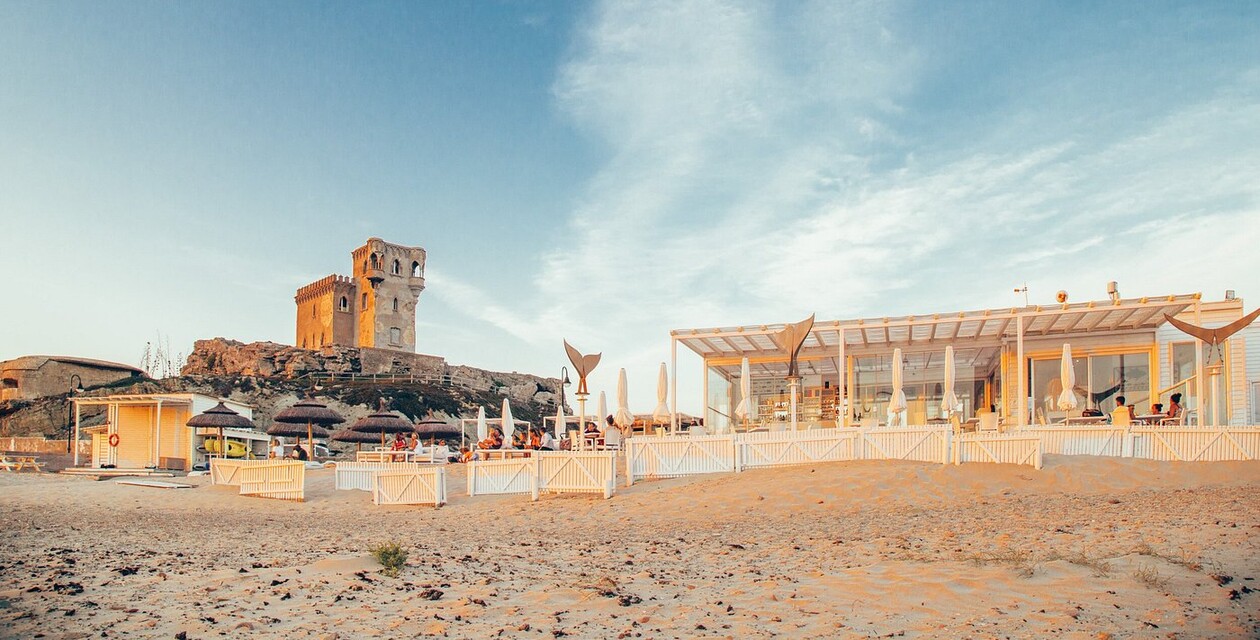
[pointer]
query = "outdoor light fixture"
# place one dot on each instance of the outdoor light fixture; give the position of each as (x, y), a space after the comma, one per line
(75, 389)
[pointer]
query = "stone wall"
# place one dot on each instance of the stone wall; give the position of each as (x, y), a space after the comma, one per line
(32, 377)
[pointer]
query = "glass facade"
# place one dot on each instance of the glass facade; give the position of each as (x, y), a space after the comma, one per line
(1100, 380)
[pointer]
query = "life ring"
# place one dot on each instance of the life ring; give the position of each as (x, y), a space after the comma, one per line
(113, 439)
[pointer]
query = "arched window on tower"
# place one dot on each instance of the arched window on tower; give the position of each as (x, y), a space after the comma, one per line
(376, 261)
(395, 305)
(415, 270)
(344, 304)
(396, 269)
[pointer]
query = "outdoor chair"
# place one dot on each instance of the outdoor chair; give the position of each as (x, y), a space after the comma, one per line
(1120, 417)
(988, 422)
(612, 440)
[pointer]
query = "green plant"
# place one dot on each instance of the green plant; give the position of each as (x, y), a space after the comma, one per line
(392, 557)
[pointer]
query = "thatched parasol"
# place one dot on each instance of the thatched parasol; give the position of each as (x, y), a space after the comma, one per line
(221, 417)
(314, 415)
(350, 435)
(383, 422)
(433, 429)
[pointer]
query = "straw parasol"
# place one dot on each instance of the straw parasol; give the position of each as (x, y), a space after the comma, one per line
(1067, 377)
(315, 415)
(350, 435)
(221, 417)
(897, 403)
(433, 428)
(661, 412)
(382, 422)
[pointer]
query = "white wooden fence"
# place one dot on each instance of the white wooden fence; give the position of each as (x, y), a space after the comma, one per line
(420, 485)
(1195, 444)
(271, 479)
(226, 471)
(358, 475)
(545, 472)
(924, 444)
(674, 456)
(997, 448)
(783, 448)
(1078, 440)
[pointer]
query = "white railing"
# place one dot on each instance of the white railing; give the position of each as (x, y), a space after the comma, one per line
(270, 479)
(545, 472)
(226, 471)
(998, 449)
(1078, 441)
(511, 475)
(1195, 444)
(923, 444)
(783, 448)
(674, 456)
(421, 485)
(577, 472)
(358, 475)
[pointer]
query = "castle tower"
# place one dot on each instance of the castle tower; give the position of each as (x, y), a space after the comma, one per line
(374, 308)
(325, 312)
(389, 279)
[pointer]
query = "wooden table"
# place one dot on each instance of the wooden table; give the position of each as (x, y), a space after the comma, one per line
(1085, 420)
(504, 454)
(16, 463)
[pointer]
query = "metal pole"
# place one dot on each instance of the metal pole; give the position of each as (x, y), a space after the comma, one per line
(1021, 401)
(841, 378)
(673, 384)
(581, 420)
(794, 383)
(1200, 405)
(76, 434)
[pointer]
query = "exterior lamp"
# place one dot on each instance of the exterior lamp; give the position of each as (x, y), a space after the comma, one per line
(75, 389)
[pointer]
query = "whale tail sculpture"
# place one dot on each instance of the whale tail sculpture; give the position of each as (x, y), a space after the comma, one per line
(583, 364)
(1217, 336)
(791, 339)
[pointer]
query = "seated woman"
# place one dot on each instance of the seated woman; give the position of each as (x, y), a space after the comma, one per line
(400, 444)
(465, 454)
(298, 453)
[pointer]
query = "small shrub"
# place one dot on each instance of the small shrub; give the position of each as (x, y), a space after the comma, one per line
(1149, 576)
(392, 557)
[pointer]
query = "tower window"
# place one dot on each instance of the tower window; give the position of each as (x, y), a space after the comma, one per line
(395, 305)
(321, 339)
(344, 304)
(312, 310)
(396, 268)
(395, 335)
(415, 270)
(363, 305)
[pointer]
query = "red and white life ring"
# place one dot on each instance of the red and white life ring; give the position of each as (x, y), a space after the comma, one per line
(113, 439)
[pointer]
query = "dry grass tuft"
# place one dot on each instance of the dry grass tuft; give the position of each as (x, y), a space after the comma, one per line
(1149, 576)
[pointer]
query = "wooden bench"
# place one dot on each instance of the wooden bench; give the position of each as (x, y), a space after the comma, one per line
(18, 463)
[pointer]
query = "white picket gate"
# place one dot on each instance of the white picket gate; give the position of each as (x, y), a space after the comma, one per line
(226, 471)
(674, 456)
(923, 444)
(271, 479)
(1196, 444)
(998, 448)
(1078, 440)
(783, 448)
(419, 485)
(545, 472)
(358, 475)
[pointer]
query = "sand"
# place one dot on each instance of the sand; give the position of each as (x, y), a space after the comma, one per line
(1085, 548)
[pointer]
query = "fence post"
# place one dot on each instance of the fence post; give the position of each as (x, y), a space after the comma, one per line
(949, 447)
(629, 462)
(1126, 444)
(536, 475)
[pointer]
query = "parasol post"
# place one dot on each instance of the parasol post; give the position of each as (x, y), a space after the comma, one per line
(582, 420)
(310, 441)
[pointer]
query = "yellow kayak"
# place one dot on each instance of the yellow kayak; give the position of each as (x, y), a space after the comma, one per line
(235, 448)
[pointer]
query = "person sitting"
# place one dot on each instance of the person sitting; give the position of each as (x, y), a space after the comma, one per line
(1122, 415)
(1174, 407)
(545, 441)
(277, 450)
(493, 440)
(465, 454)
(299, 453)
(399, 444)
(520, 440)
(1157, 408)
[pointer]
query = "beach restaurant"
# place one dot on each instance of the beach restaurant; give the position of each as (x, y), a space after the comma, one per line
(150, 430)
(1006, 360)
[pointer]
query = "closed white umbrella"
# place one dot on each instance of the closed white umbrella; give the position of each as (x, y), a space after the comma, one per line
(897, 403)
(623, 418)
(949, 403)
(482, 430)
(745, 410)
(1067, 377)
(509, 425)
(603, 408)
(560, 435)
(661, 412)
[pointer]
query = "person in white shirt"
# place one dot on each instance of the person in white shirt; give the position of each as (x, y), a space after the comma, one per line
(547, 443)
(277, 450)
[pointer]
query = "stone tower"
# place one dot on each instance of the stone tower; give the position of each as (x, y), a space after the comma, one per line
(374, 308)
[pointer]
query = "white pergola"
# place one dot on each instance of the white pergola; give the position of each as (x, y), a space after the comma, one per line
(986, 332)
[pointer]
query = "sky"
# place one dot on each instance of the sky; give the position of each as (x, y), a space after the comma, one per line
(605, 172)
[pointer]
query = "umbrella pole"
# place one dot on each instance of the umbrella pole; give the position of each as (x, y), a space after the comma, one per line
(310, 441)
(222, 443)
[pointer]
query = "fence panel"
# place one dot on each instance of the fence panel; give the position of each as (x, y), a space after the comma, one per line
(782, 448)
(358, 475)
(674, 456)
(1196, 444)
(226, 471)
(997, 448)
(577, 472)
(1078, 441)
(513, 475)
(279, 480)
(420, 485)
(924, 444)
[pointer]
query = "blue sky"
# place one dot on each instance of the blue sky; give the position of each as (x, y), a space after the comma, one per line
(607, 172)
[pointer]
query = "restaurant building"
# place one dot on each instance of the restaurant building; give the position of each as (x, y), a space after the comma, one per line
(1006, 359)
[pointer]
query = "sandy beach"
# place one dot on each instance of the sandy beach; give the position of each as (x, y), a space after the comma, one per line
(1085, 548)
